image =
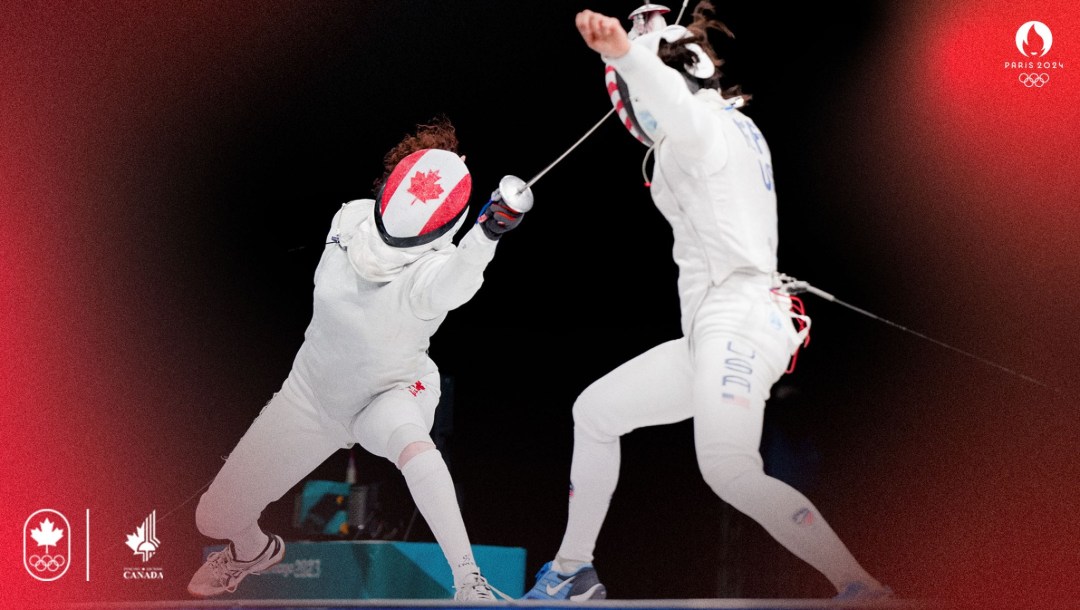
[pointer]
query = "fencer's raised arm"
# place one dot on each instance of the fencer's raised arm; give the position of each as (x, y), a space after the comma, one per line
(661, 89)
(603, 34)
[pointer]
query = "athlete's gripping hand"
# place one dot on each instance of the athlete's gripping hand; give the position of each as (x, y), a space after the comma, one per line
(497, 218)
(603, 34)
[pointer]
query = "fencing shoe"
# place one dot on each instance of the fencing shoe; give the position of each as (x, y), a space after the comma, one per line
(577, 586)
(474, 588)
(861, 591)
(222, 571)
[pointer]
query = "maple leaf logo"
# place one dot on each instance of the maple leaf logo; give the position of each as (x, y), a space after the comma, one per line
(416, 388)
(134, 540)
(46, 535)
(425, 186)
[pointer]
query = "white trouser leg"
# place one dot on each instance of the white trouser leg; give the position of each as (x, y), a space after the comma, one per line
(651, 389)
(737, 359)
(284, 444)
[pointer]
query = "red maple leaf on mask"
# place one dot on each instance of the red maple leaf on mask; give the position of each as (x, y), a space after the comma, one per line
(425, 186)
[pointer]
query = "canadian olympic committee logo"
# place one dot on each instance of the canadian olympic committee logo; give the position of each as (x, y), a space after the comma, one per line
(47, 545)
(1033, 41)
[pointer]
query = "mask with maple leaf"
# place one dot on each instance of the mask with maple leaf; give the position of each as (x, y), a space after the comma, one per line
(423, 198)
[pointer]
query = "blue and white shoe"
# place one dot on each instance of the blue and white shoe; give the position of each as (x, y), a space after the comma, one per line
(577, 586)
(862, 592)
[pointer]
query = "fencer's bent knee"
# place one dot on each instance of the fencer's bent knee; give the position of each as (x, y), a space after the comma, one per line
(402, 437)
(412, 450)
(211, 519)
(721, 470)
(590, 417)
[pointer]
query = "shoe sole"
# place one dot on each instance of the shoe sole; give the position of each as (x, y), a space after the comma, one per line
(597, 591)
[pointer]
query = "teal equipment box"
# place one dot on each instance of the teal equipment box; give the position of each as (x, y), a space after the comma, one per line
(376, 569)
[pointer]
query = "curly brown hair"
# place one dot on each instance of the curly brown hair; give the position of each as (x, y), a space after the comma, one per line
(438, 133)
(676, 55)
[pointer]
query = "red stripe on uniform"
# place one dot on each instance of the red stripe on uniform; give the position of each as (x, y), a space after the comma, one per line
(396, 176)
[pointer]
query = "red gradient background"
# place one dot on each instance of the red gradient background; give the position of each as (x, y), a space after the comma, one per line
(972, 194)
(103, 334)
(957, 180)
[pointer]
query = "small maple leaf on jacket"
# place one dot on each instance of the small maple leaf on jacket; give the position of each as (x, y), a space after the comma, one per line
(425, 185)
(45, 535)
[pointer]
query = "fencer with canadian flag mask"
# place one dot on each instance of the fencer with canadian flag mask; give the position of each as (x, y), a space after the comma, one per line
(419, 208)
(435, 179)
(387, 278)
(713, 183)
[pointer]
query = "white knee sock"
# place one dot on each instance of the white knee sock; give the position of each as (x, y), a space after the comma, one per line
(794, 522)
(433, 492)
(594, 473)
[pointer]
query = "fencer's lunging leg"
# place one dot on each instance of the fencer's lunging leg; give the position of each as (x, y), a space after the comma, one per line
(594, 473)
(432, 490)
(282, 446)
(732, 382)
(651, 389)
(395, 426)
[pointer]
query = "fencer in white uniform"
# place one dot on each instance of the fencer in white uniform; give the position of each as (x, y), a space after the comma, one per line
(713, 182)
(388, 276)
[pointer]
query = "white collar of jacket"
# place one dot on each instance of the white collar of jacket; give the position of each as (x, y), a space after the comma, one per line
(372, 258)
(714, 98)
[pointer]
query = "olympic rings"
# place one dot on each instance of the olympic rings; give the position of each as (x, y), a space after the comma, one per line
(1033, 79)
(44, 563)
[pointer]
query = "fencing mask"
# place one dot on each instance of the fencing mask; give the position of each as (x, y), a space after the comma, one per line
(424, 197)
(631, 109)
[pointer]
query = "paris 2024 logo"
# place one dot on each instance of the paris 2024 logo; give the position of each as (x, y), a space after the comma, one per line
(1034, 40)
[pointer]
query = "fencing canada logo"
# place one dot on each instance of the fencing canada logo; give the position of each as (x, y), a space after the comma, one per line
(47, 545)
(1034, 40)
(144, 541)
(144, 544)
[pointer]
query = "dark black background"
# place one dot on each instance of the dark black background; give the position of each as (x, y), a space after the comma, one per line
(587, 282)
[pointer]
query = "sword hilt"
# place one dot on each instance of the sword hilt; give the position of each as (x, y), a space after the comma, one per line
(514, 193)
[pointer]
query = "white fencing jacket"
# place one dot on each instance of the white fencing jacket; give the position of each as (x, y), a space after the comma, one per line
(712, 179)
(367, 337)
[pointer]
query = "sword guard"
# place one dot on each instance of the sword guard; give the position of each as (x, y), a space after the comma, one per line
(789, 285)
(515, 193)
